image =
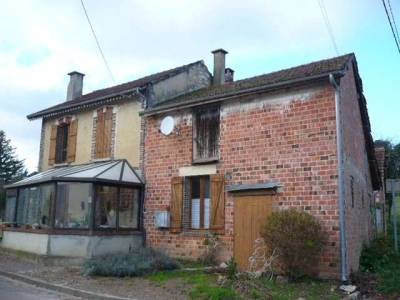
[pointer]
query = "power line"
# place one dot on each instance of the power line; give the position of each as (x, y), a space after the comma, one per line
(394, 22)
(391, 26)
(98, 44)
(328, 25)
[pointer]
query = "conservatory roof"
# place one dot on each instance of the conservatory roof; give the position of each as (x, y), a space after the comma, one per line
(113, 172)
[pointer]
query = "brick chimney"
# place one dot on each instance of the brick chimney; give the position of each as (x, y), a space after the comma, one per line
(219, 66)
(75, 85)
(229, 75)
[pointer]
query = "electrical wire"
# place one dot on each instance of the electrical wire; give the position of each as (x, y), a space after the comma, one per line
(394, 22)
(328, 25)
(391, 26)
(98, 44)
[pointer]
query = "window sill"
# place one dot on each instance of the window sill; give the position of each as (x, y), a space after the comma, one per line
(205, 161)
(196, 234)
(101, 159)
(61, 164)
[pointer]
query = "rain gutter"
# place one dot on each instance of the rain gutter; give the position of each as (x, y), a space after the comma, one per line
(343, 249)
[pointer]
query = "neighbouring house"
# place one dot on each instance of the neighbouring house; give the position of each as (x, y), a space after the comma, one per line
(220, 159)
(380, 203)
(86, 199)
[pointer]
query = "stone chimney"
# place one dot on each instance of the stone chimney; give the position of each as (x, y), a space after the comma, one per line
(75, 85)
(229, 75)
(219, 66)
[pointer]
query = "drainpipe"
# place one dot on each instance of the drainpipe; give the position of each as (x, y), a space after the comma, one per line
(341, 182)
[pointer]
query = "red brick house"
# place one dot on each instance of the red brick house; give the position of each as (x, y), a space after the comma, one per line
(238, 149)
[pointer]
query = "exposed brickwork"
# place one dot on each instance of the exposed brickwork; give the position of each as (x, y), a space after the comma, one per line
(41, 149)
(288, 138)
(360, 218)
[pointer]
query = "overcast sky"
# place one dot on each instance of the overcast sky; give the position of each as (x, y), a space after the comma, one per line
(42, 41)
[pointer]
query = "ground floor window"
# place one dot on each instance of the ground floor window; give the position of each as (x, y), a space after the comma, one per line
(116, 207)
(200, 202)
(34, 204)
(73, 205)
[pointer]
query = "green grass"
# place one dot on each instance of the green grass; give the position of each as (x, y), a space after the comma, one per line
(204, 286)
(308, 289)
(205, 291)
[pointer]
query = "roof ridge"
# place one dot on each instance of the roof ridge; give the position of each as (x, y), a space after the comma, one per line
(310, 69)
(143, 78)
(116, 89)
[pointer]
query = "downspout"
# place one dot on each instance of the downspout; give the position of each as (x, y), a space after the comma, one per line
(341, 182)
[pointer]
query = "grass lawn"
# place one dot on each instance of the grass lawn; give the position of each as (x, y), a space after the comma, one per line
(204, 286)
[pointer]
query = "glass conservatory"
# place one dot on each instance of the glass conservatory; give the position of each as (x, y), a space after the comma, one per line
(97, 199)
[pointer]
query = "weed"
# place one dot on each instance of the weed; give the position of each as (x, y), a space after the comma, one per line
(209, 255)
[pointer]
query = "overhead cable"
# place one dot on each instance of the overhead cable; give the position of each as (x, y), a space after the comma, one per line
(328, 25)
(391, 26)
(98, 44)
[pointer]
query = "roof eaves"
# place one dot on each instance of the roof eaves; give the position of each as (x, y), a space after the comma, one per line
(58, 110)
(222, 96)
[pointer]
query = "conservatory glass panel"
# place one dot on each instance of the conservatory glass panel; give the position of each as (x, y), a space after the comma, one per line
(73, 205)
(11, 204)
(128, 208)
(106, 207)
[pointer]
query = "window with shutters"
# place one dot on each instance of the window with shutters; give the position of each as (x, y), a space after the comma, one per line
(63, 140)
(104, 124)
(206, 135)
(200, 202)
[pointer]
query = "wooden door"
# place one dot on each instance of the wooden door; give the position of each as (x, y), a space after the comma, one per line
(250, 211)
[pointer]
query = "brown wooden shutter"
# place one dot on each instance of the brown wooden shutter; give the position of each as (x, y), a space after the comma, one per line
(73, 130)
(107, 132)
(53, 143)
(176, 204)
(217, 207)
(99, 134)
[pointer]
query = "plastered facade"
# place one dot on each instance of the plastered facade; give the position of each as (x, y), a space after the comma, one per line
(126, 130)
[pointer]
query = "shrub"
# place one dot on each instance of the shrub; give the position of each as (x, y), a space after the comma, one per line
(142, 261)
(298, 239)
(378, 254)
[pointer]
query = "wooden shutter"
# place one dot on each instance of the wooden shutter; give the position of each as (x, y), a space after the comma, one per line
(206, 135)
(53, 143)
(176, 204)
(107, 132)
(73, 130)
(217, 193)
(99, 134)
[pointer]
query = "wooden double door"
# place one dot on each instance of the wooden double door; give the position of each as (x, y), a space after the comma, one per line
(250, 211)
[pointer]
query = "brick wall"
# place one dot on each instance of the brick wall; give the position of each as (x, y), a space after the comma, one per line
(359, 216)
(287, 137)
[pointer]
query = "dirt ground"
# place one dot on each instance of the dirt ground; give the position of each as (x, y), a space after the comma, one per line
(74, 277)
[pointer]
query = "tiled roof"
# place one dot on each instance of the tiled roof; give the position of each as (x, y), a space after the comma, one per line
(284, 76)
(111, 91)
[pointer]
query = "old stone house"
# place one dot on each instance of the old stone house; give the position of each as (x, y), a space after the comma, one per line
(86, 199)
(297, 138)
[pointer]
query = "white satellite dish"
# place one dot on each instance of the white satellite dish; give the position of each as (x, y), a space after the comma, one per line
(167, 125)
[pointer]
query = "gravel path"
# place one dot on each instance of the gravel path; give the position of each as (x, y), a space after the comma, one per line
(137, 288)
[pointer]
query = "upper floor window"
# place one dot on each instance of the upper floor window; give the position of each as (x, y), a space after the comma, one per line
(63, 140)
(104, 124)
(206, 135)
